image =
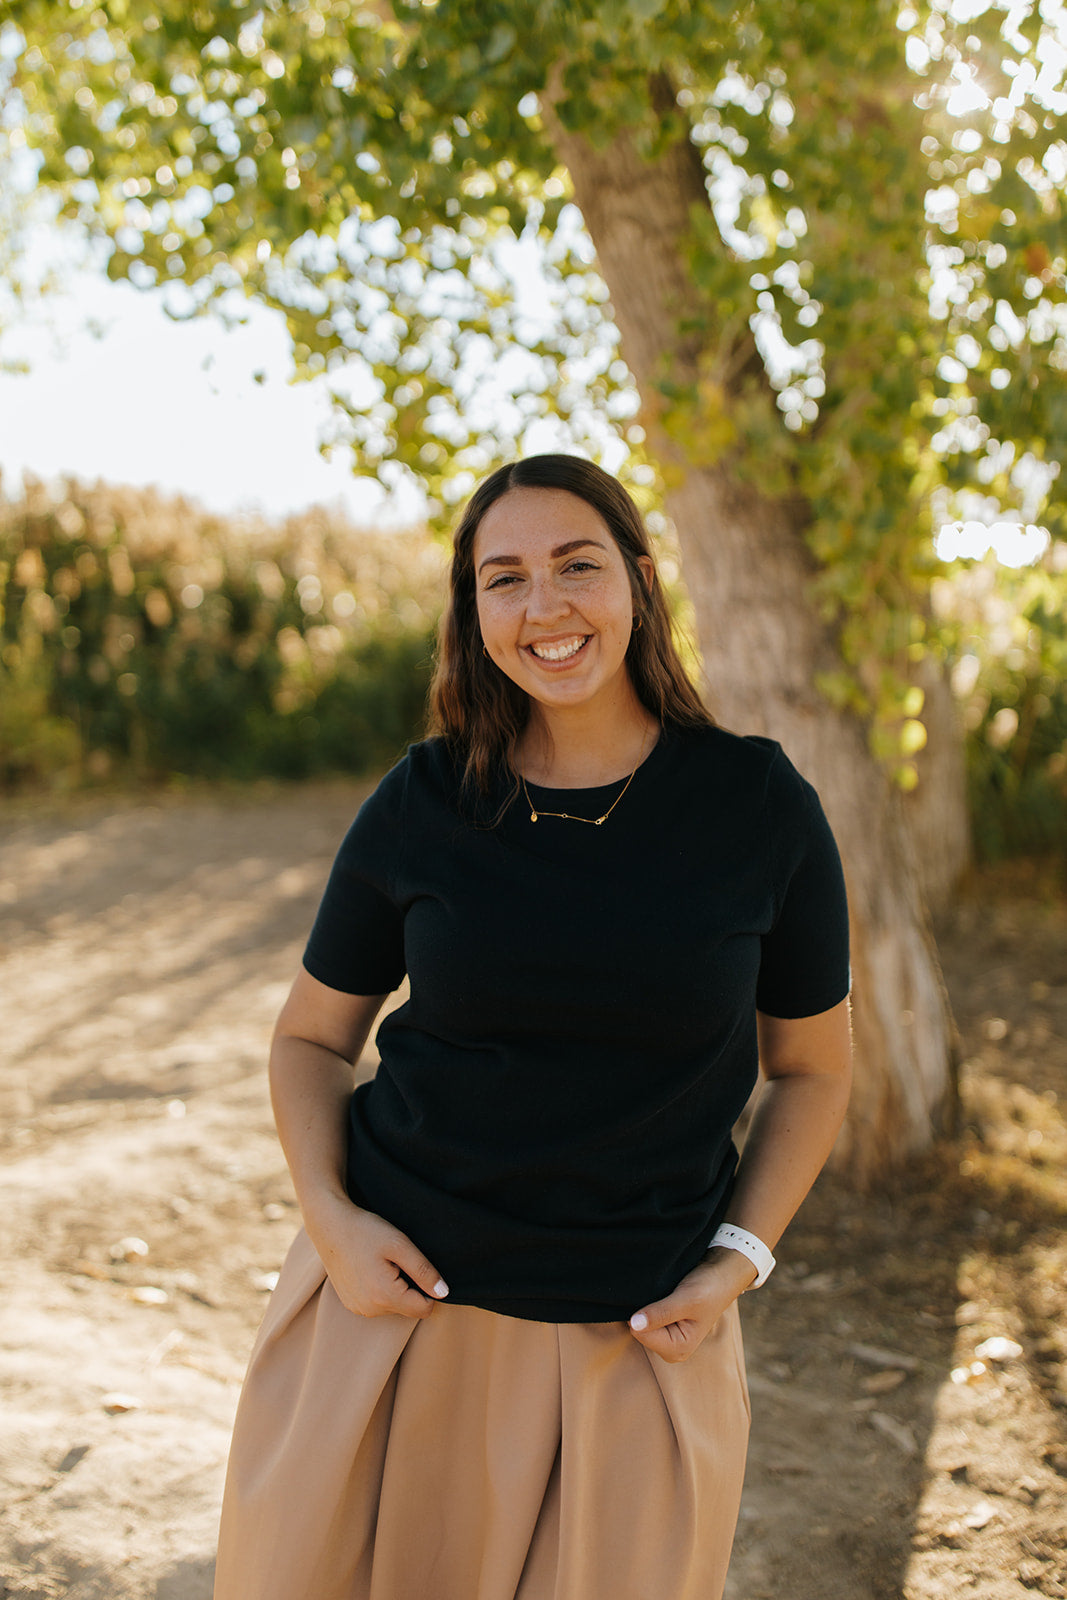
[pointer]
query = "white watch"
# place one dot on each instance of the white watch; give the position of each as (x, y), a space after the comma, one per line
(732, 1238)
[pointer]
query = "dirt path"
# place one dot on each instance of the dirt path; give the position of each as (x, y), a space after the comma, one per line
(144, 949)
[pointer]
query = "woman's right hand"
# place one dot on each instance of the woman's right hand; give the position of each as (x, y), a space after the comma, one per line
(366, 1259)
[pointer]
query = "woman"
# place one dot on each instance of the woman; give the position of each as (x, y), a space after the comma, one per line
(503, 1360)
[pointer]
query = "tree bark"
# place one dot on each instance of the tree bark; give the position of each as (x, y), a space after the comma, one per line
(748, 568)
(936, 809)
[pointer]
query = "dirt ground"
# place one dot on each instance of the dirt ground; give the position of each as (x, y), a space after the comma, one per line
(145, 946)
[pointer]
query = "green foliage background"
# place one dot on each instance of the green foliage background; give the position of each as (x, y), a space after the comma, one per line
(895, 251)
(144, 638)
(1009, 649)
(877, 327)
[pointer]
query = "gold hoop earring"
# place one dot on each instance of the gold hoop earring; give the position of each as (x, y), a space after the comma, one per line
(485, 653)
(636, 621)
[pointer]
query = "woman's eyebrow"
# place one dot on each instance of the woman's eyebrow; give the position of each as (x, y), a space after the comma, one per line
(560, 550)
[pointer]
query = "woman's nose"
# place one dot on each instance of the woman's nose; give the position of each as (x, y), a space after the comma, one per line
(545, 600)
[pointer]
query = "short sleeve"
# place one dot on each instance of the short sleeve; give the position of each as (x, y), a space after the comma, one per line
(357, 939)
(804, 959)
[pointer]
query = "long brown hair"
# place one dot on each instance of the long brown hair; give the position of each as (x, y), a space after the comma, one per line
(476, 707)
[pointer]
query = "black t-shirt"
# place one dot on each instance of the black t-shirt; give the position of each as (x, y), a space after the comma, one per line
(551, 1119)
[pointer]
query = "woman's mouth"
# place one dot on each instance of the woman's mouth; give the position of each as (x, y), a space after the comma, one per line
(560, 649)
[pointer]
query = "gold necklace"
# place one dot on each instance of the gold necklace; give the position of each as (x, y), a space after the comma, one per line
(567, 816)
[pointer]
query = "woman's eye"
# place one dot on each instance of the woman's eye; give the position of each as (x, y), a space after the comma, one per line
(507, 580)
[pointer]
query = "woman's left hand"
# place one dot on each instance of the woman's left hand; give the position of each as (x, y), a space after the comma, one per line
(676, 1326)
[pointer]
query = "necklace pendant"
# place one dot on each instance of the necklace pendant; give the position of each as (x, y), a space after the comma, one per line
(533, 816)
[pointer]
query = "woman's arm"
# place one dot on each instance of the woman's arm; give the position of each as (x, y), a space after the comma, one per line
(807, 1064)
(318, 1037)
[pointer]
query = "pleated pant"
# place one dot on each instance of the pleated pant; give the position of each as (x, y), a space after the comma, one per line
(473, 1456)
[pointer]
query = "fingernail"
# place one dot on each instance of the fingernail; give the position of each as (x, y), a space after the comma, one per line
(638, 1321)
(440, 1288)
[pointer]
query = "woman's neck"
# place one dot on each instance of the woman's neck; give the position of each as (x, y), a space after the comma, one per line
(575, 751)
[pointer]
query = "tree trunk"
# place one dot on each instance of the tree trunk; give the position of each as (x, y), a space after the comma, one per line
(747, 568)
(937, 809)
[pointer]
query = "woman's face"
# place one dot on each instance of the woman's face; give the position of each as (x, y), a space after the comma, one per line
(554, 600)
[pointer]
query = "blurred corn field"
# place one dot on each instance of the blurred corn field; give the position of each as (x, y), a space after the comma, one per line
(144, 638)
(1006, 632)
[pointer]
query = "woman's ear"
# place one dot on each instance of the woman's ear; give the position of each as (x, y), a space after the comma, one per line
(647, 568)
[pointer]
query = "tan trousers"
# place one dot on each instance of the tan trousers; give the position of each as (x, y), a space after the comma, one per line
(473, 1456)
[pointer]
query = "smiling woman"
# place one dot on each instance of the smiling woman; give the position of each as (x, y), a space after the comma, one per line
(503, 1361)
(557, 659)
(556, 614)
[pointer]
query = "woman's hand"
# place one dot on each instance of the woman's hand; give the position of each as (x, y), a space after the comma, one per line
(319, 1034)
(676, 1326)
(366, 1258)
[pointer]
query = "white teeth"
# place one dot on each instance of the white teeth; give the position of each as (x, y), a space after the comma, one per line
(557, 652)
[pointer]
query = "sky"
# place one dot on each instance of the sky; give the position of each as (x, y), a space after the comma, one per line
(193, 407)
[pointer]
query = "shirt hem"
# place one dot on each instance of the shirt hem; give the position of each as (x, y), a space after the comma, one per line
(546, 1310)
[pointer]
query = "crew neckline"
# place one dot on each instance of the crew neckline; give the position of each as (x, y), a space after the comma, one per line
(602, 788)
